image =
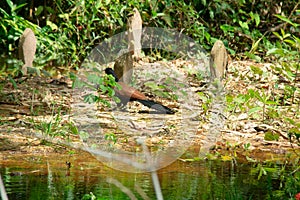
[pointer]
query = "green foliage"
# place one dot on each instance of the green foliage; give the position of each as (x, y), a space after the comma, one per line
(163, 90)
(288, 46)
(287, 174)
(239, 103)
(271, 136)
(206, 101)
(294, 131)
(89, 196)
(12, 26)
(111, 137)
(247, 146)
(68, 29)
(56, 127)
(264, 99)
(101, 84)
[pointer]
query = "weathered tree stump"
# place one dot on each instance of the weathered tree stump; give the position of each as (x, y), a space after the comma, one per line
(135, 34)
(27, 48)
(218, 60)
(124, 64)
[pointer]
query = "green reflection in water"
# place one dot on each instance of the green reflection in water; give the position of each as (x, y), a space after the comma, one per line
(196, 180)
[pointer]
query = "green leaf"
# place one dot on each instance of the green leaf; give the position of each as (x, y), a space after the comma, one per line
(269, 102)
(13, 82)
(64, 16)
(152, 85)
(255, 17)
(276, 51)
(160, 14)
(259, 96)
(39, 10)
(239, 99)
(93, 78)
(254, 110)
(271, 136)
(291, 42)
(18, 7)
(73, 128)
(227, 28)
(154, 13)
(10, 4)
(250, 159)
(253, 56)
(271, 169)
(4, 12)
(111, 92)
(256, 70)
(277, 35)
(50, 10)
(289, 120)
(244, 25)
(211, 14)
(116, 99)
(53, 26)
(167, 19)
(90, 98)
(283, 18)
(98, 4)
(118, 86)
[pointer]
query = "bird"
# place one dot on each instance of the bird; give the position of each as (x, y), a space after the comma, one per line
(128, 93)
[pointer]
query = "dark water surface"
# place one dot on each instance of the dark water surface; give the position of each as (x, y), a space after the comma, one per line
(47, 177)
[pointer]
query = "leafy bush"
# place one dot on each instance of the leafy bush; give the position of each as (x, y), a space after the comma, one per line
(67, 29)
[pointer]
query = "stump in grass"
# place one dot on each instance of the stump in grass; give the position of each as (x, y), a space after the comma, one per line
(218, 60)
(27, 48)
(124, 64)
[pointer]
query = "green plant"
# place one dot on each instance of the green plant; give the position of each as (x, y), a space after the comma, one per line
(160, 90)
(287, 173)
(271, 136)
(206, 101)
(294, 130)
(111, 137)
(102, 84)
(247, 146)
(12, 25)
(56, 126)
(239, 103)
(288, 47)
(264, 99)
(89, 196)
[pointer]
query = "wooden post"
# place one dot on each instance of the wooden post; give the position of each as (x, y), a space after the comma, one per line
(135, 34)
(218, 60)
(124, 64)
(27, 48)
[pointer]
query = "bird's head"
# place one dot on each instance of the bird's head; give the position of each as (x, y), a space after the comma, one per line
(110, 71)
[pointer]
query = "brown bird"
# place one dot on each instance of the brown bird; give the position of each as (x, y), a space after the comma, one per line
(127, 93)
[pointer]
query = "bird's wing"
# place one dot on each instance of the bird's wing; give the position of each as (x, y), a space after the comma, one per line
(130, 92)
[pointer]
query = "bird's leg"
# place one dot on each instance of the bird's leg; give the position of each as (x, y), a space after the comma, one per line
(121, 105)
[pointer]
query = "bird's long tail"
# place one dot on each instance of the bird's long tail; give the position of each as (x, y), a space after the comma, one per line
(156, 106)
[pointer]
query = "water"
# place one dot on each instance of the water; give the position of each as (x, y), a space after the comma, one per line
(33, 177)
